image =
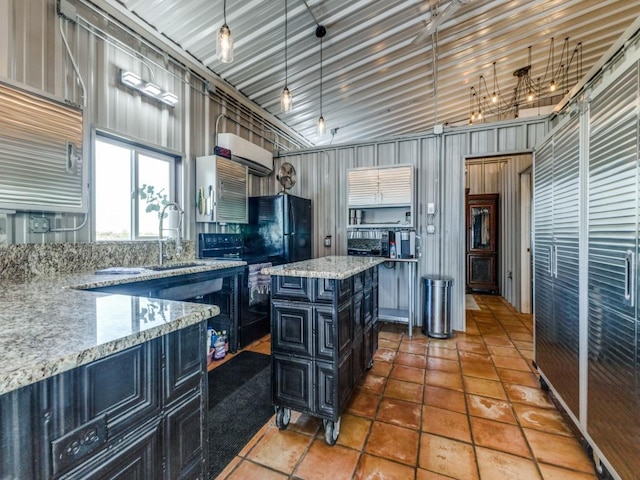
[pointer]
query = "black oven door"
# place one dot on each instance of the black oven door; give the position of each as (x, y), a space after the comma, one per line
(254, 322)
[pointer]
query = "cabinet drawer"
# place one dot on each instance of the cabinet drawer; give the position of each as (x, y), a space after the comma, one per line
(135, 458)
(292, 288)
(292, 382)
(291, 330)
(326, 290)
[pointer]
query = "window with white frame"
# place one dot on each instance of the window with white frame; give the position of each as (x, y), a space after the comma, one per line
(131, 185)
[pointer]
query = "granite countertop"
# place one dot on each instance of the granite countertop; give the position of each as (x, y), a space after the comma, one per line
(50, 325)
(337, 268)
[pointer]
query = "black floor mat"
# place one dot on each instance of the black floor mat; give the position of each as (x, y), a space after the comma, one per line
(239, 405)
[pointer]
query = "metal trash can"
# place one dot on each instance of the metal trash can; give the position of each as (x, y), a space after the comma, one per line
(436, 313)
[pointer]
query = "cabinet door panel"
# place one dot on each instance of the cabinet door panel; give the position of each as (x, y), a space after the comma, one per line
(325, 290)
(345, 380)
(612, 395)
(345, 328)
(358, 359)
(123, 386)
(325, 332)
(326, 389)
(291, 328)
(185, 360)
(358, 313)
(293, 382)
(185, 427)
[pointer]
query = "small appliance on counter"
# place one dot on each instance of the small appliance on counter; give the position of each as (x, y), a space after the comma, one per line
(382, 243)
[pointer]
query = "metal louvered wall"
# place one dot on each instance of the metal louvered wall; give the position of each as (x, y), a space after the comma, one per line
(40, 153)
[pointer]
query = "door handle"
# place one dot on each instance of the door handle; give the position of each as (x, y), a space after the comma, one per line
(629, 278)
(555, 261)
(550, 262)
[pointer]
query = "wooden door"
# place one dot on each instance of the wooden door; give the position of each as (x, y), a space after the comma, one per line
(482, 242)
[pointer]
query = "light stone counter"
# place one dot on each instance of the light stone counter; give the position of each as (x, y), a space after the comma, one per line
(46, 327)
(337, 268)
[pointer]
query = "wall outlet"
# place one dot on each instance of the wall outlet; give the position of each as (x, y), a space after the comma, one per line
(431, 208)
(38, 224)
(431, 229)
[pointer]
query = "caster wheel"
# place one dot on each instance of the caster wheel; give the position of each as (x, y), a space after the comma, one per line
(544, 385)
(283, 415)
(331, 431)
(370, 366)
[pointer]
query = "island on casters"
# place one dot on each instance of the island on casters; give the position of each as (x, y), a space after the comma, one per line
(324, 333)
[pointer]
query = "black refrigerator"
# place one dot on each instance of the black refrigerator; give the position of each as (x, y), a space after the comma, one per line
(279, 229)
(278, 232)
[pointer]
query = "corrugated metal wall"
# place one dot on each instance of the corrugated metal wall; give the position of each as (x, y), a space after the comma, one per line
(32, 53)
(440, 161)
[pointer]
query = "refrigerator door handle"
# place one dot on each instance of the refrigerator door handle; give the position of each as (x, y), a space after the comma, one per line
(629, 278)
(292, 217)
(550, 262)
(555, 261)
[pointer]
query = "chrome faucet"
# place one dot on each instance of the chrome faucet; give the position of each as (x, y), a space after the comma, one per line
(178, 229)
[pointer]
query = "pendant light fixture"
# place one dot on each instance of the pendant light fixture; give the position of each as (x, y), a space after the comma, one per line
(286, 99)
(224, 43)
(321, 127)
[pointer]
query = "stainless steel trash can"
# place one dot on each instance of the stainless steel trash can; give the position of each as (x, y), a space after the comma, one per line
(436, 313)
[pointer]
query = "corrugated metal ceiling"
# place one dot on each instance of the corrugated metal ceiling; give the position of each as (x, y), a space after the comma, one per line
(377, 82)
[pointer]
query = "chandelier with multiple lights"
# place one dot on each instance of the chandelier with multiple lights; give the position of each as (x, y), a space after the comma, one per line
(530, 91)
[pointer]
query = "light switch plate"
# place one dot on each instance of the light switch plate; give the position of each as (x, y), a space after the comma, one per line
(431, 208)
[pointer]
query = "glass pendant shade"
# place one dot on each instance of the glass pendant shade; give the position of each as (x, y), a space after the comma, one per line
(552, 86)
(286, 100)
(321, 126)
(224, 45)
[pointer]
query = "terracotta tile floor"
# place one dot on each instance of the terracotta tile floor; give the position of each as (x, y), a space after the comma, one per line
(469, 407)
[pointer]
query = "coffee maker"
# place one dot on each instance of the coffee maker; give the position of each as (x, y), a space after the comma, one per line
(406, 243)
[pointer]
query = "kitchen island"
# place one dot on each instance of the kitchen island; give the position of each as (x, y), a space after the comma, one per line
(96, 385)
(324, 333)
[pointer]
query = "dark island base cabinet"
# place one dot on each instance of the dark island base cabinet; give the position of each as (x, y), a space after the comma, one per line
(324, 333)
(137, 414)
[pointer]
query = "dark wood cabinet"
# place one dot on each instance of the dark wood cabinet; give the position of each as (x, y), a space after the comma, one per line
(138, 413)
(482, 222)
(323, 338)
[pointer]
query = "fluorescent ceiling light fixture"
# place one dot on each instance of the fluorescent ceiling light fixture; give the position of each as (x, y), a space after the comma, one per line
(148, 89)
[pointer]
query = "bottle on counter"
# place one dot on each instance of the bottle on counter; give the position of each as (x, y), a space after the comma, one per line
(226, 341)
(219, 351)
(392, 250)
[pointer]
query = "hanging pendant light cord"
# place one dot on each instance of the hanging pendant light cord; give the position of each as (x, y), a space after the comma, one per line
(224, 11)
(286, 63)
(320, 76)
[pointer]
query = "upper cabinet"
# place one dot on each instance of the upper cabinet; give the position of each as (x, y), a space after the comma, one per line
(381, 196)
(381, 186)
(221, 190)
